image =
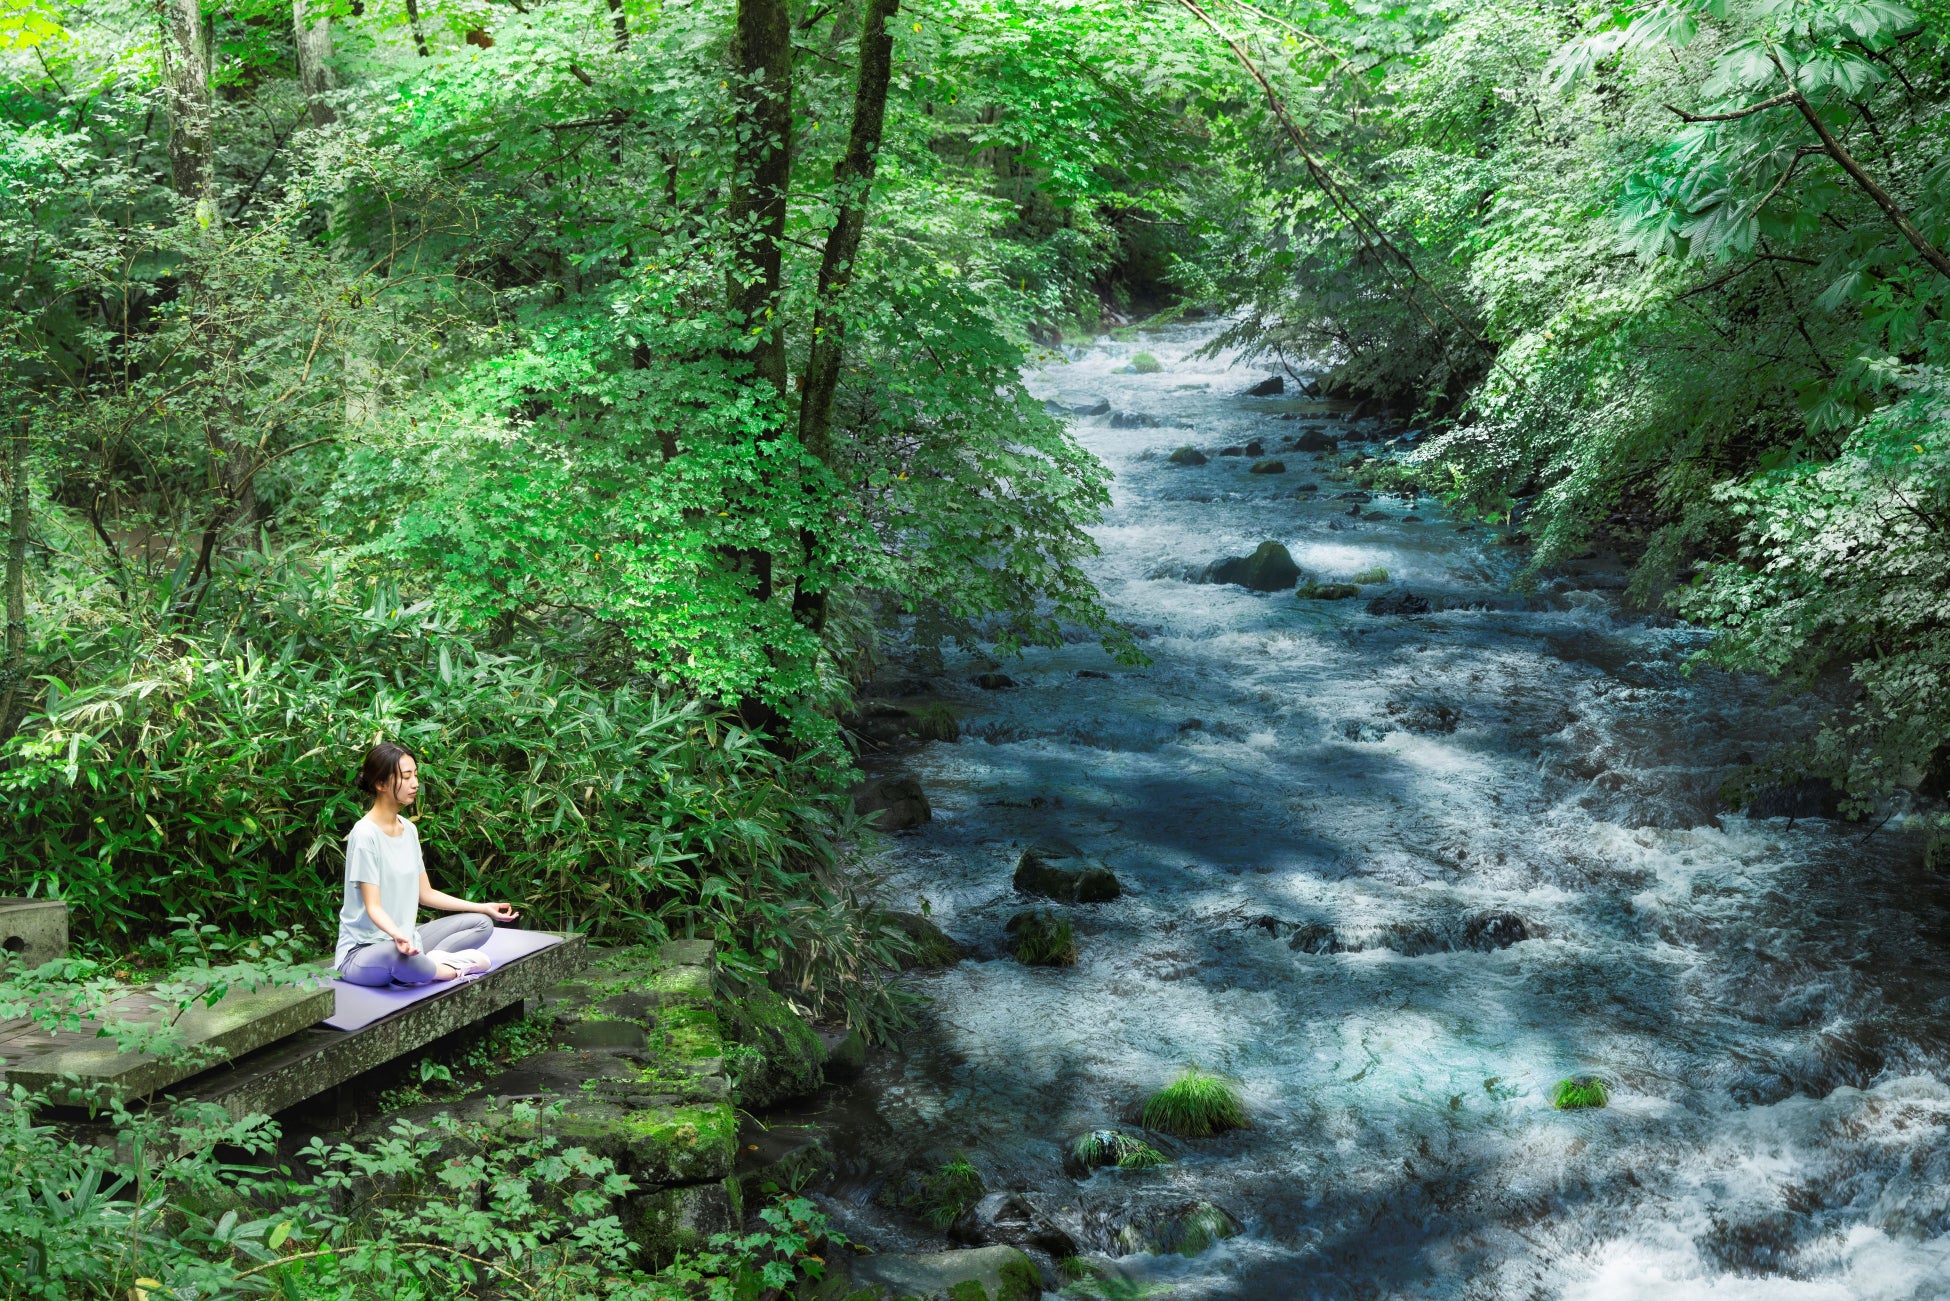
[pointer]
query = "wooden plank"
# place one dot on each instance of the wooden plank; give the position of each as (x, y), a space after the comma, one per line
(284, 1074)
(240, 1022)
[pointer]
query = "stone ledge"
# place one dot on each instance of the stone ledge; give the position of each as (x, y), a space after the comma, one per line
(307, 1064)
(238, 1023)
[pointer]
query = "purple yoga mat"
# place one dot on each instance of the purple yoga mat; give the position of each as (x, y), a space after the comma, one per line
(358, 1006)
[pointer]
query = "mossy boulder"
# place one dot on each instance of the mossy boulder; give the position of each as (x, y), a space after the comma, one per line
(1313, 440)
(1042, 940)
(899, 801)
(1187, 455)
(1183, 1231)
(1267, 467)
(932, 949)
(1312, 591)
(1056, 869)
(1269, 569)
(1270, 387)
(1145, 364)
(978, 1274)
(777, 1056)
(672, 1220)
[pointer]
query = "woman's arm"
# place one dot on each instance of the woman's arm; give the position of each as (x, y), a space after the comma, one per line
(369, 895)
(432, 898)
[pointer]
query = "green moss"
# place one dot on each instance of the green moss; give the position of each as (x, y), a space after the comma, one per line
(1375, 575)
(668, 1221)
(781, 1054)
(681, 1144)
(1312, 591)
(1580, 1091)
(691, 1033)
(1020, 1281)
(1043, 941)
(1145, 364)
(968, 1290)
(1197, 1104)
(936, 723)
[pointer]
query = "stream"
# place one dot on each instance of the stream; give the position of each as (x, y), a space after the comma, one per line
(1765, 997)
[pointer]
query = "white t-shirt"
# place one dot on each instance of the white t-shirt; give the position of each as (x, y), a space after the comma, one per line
(393, 864)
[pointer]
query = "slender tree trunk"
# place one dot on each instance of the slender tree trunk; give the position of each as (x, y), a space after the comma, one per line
(13, 674)
(620, 23)
(853, 182)
(413, 21)
(314, 40)
(187, 54)
(763, 109)
(852, 186)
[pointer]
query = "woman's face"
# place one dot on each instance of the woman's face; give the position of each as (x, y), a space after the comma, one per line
(406, 780)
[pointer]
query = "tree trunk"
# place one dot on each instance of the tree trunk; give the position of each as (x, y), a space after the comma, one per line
(192, 164)
(762, 96)
(13, 675)
(413, 21)
(852, 189)
(853, 182)
(314, 40)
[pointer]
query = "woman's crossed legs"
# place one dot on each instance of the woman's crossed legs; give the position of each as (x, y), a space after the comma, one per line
(381, 962)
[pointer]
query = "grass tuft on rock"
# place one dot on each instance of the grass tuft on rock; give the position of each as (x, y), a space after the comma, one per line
(945, 1194)
(1044, 941)
(1580, 1091)
(1102, 1147)
(1374, 575)
(1197, 1104)
(1145, 364)
(1312, 591)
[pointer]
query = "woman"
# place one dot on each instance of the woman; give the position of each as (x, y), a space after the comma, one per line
(386, 883)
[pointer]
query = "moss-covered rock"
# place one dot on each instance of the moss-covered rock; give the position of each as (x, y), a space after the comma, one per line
(1269, 569)
(1187, 455)
(1146, 364)
(670, 1220)
(782, 1056)
(978, 1274)
(933, 950)
(1042, 940)
(1056, 869)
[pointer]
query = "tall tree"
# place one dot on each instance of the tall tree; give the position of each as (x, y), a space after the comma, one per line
(762, 99)
(853, 187)
(187, 55)
(313, 38)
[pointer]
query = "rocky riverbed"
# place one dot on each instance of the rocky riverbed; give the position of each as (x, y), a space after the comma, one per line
(1397, 853)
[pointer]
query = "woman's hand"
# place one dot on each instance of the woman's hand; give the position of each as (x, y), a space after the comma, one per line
(501, 912)
(404, 943)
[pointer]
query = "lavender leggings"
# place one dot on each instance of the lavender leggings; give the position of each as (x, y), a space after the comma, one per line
(380, 963)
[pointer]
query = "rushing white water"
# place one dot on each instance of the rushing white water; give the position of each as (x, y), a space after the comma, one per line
(1766, 999)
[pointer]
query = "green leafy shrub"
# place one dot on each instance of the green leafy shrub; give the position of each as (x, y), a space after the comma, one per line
(1580, 1091)
(1043, 940)
(214, 776)
(1197, 1104)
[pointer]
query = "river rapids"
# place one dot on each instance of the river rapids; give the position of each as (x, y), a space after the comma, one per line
(1766, 998)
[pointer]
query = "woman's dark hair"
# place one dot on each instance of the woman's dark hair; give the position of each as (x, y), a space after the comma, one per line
(381, 766)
